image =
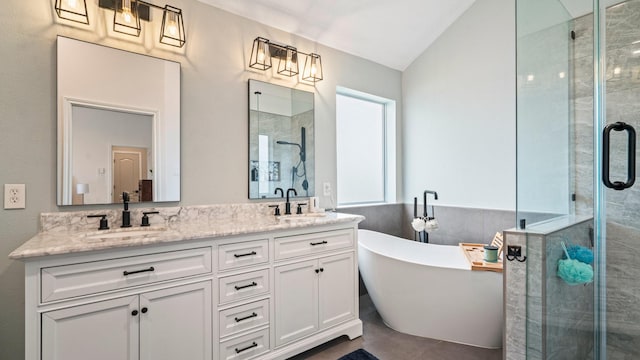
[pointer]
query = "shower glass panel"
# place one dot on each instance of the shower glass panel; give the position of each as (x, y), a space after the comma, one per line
(620, 209)
(578, 105)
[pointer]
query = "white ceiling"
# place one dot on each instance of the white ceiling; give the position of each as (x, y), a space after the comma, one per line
(389, 32)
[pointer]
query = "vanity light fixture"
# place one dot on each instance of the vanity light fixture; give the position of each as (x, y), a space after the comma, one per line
(260, 54)
(172, 30)
(74, 10)
(263, 50)
(288, 64)
(312, 68)
(127, 16)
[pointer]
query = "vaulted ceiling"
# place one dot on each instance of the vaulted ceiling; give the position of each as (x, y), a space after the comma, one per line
(389, 32)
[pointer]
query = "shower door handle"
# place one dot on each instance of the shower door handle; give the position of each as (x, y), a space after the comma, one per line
(631, 156)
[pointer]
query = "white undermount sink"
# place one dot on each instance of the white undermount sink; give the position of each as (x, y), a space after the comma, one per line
(122, 233)
(301, 217)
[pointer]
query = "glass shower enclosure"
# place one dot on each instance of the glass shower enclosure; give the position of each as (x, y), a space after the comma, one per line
(578, 106)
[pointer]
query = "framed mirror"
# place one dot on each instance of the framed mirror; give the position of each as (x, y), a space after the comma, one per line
(118, 125)
(281, 140)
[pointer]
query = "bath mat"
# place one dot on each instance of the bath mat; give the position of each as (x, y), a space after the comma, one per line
(359, 354)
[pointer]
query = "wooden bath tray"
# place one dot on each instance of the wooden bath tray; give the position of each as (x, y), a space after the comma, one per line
(475, 255)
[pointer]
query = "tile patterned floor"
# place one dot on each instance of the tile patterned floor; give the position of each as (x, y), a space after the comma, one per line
(387, 344)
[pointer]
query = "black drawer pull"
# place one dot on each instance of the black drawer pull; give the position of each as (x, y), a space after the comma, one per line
(134, 313)
(138, 271)
(254, 344)
(246, 317)
(253, 283)
(319, 243)
(243, 255)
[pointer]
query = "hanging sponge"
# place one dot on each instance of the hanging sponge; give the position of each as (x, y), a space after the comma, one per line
(580, 253)
(572, 271)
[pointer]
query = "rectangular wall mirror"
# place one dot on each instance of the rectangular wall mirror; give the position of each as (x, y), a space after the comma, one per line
(118, 125)
(281, 140)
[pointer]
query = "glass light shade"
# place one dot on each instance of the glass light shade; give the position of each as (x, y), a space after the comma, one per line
(288, 64)
(126, 19)
(260, 54)
(74, 10)
(312, 68)
(172, 30)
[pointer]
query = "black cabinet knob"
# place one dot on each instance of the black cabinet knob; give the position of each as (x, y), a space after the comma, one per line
(134, 312)
(144, 310)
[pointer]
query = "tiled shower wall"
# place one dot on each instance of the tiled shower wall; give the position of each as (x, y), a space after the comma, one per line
(547, 318)
(622, 207)
(287, 128)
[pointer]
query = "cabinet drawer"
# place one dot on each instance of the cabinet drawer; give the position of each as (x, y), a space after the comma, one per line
(244, 317)
(300, 245)
(231, 256)
(245, 347)
(60, 282)
(244, 285)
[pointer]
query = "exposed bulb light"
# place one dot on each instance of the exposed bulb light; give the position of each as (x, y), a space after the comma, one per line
(288, 58)
(172, 24)
(617, 70)
(288, 65)
(172, 32)
(126, 17)
(73, 10)
(562, 75)
(260, 54)
(312, 68)
(530, 77)
(126, 11)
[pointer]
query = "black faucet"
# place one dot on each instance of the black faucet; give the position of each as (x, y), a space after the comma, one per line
(281, 192)
(287, 205)
(126, 215)
(424, 235)
(435, 197)
(145, 217)
(104, 224)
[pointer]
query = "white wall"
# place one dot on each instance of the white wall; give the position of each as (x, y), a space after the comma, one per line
(214, 128)
(95, 131)
(459, 106)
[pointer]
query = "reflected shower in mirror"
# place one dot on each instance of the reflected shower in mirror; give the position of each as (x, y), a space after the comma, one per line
(118, 125)
(281, 140)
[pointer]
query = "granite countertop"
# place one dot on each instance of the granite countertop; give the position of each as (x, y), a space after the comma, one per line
(70, 234)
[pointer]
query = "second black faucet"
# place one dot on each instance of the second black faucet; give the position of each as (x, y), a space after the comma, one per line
(126, 215)
(287, 205)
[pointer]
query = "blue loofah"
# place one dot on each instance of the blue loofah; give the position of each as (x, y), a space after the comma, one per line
(572, 271)
(575, 272)
(580, 253)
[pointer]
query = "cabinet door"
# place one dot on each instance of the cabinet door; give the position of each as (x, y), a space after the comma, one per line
(337, 289)
(296, 301)
(105, 330)
(176, 323)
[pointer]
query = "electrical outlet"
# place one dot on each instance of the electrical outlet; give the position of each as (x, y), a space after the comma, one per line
(14, 196)
(326, 189)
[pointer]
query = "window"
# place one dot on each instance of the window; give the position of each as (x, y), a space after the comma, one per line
(365, 148)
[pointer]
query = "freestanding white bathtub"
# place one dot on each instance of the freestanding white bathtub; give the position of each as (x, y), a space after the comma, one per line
(430, 291)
